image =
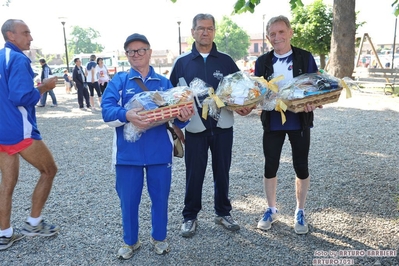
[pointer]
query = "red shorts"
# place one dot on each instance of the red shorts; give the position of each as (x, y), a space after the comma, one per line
(13, 149)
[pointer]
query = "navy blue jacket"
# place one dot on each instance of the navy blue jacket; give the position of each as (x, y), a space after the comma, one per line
(192, 65)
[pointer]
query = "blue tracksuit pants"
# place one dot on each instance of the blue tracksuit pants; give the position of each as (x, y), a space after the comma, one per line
(129, 186)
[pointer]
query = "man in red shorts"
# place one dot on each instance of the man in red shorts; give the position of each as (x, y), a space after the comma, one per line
(19, 135)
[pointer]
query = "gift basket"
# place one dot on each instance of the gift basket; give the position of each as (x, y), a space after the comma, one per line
(310, 88)
(159, 107)
(240, 90)
(236, 91)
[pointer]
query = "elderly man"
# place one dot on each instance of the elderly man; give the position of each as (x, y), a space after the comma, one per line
(150, 154)
(19, 135)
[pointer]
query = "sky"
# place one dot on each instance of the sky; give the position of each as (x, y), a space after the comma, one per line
(157, 19)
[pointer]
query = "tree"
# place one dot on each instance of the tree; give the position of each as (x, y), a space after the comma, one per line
(231, 39)
(81, 41)
(312, 27)
(7, 3)
(342, 55)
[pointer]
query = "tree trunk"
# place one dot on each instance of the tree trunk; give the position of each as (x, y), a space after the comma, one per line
(342, 55)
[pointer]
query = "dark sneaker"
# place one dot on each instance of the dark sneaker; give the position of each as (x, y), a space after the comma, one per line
(268, 218)
(228, 222)
(300, 227)
(42, 229)
(188, 228)
(160, 247)
(6, 242)
(126, 252)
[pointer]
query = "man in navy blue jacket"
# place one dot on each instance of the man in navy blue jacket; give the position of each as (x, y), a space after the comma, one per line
(206, 63)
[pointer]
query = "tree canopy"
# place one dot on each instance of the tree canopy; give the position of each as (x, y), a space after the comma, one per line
(312, 25)
(231, 39)
(82, 39)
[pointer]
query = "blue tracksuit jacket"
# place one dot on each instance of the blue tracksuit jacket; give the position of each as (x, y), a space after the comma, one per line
(18, 97)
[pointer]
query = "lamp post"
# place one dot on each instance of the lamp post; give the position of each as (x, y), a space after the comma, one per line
(178, 23)
(394, 44)
(263, 35)
(65, 43)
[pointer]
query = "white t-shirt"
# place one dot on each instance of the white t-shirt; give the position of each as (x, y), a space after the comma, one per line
(102, 74)
(91, 75)
(283, 66)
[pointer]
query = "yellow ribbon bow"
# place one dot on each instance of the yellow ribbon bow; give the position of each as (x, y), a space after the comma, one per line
(272, 83)
(214, 97)
(348, 91)
(281, 107)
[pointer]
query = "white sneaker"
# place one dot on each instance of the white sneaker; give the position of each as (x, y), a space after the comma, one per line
(268, 218)
(126, 252)
(160, 247)
(300, 225)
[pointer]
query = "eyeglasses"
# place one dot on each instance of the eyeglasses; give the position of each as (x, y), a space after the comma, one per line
(203, 29)
(141, 52)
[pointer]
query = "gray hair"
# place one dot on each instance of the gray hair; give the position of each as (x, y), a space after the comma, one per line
(9, 26)
(273, 20)
(202, 17)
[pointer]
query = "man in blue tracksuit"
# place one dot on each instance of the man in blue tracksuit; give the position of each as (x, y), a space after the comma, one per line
(206, 63)
(151, 153)
(19, 134)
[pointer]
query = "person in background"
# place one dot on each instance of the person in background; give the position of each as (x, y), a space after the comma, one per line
(67, 81)
(79, 78)
(151, 153)
(92, 80)
(290, 62)
(19, 135)
(103, 74)
(46, 72)
(205, 62)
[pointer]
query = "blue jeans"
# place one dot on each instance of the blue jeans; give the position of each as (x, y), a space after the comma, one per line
(43, 99)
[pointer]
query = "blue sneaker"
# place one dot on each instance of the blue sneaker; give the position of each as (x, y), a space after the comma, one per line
(300, 227)
(42, 229)
(268, 218)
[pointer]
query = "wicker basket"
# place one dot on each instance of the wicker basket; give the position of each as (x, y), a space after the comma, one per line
(250, 103)
(298, 105)
(165, 113)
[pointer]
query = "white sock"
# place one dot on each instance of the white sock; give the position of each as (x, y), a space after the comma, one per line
(274, 209)
(7, 232)
(34, 221)
(297, 210)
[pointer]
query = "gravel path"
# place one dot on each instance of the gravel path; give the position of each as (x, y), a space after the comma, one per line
(352, 204)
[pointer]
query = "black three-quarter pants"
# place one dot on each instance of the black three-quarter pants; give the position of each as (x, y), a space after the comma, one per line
(272, 145)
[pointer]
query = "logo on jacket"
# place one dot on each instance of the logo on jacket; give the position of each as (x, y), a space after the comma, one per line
(130, 91)
(218, 75)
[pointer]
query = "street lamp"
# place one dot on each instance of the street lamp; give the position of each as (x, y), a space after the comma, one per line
(178, 23)
(263, 35)
(65, 43)
(394, 43)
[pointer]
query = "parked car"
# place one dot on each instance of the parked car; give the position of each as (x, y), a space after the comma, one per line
(58, 70)
(123, 65)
